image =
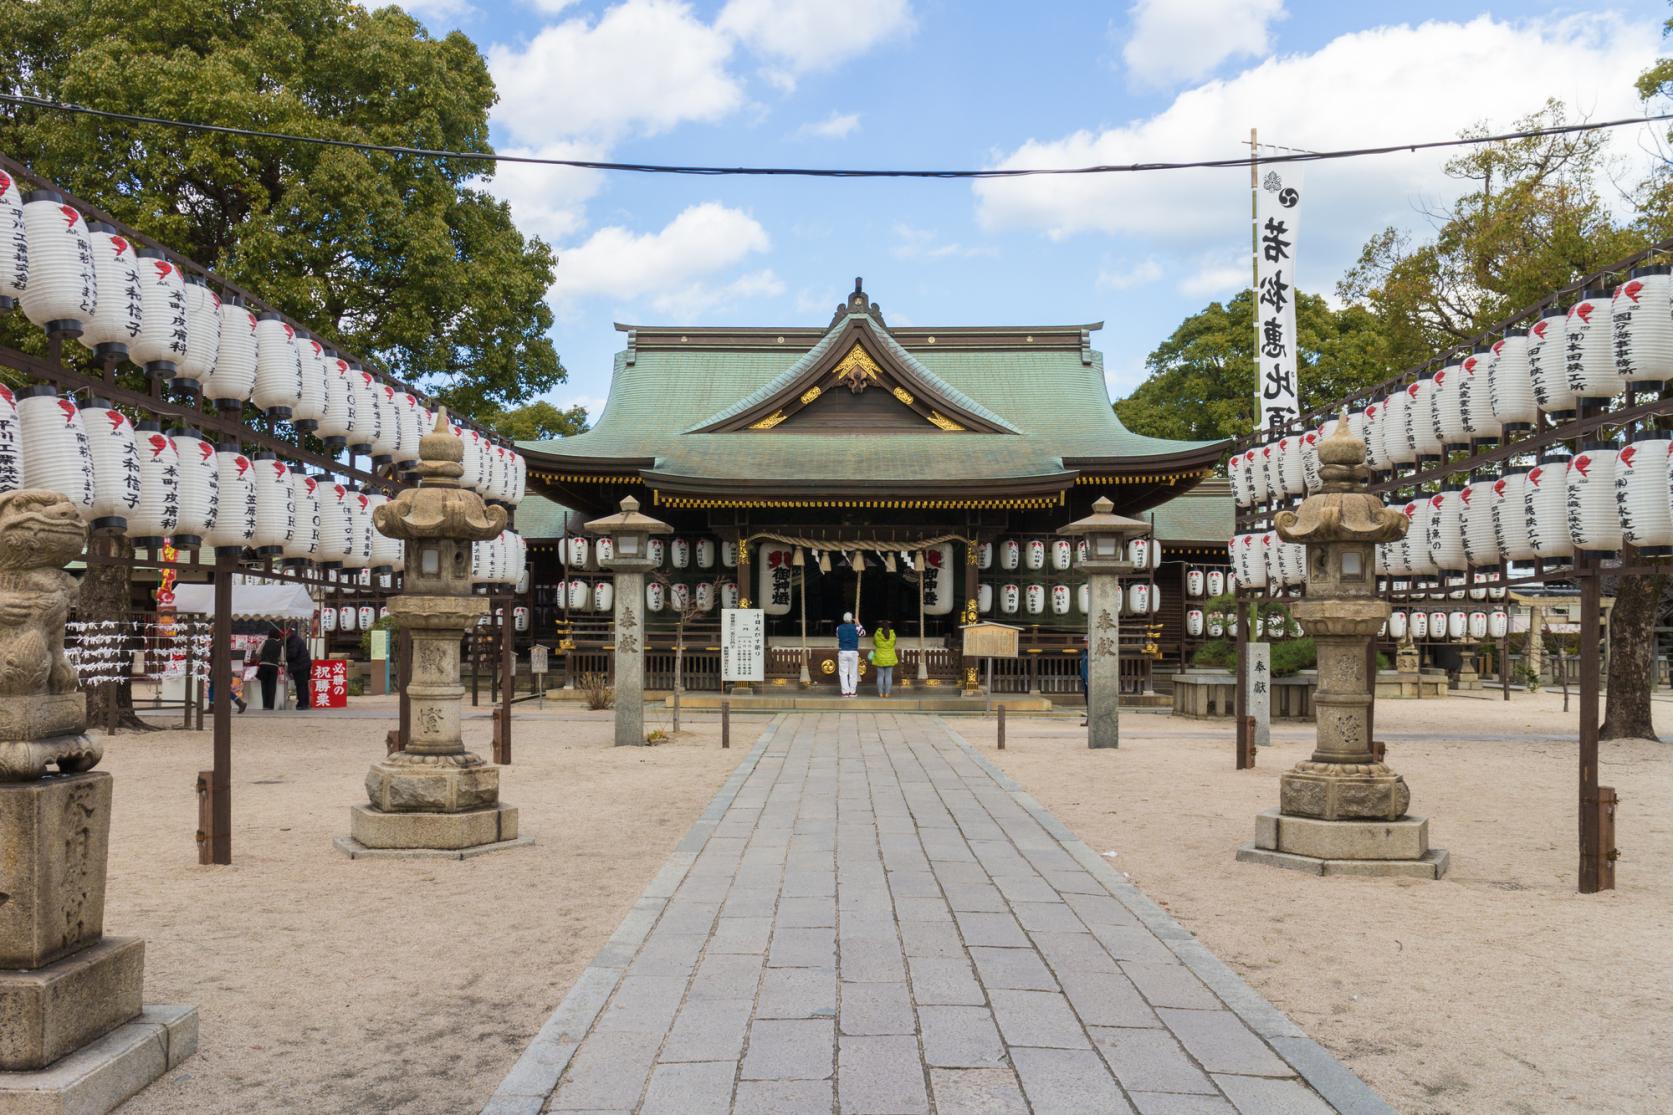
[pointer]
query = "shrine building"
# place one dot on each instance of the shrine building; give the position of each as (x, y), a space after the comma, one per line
(916, 474)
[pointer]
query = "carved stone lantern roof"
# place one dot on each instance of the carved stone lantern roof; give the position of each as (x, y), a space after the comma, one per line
(439, 507)
(628, 521)
(1103, 520)
(1342, 511)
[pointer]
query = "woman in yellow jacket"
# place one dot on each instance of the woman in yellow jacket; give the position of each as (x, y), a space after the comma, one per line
(883, 657)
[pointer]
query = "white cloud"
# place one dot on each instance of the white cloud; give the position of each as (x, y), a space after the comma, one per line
(1125, 276)
(838, 125)
(643, 67)
(547, 201)
(924, 243)
(549, 7)
(1174, 41)
(805, 36)
(443, 12)
(622, 264)
(1386, 84)
(1214, 276)
(693, 300)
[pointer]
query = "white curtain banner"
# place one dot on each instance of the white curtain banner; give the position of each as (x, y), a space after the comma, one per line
(1277, 219)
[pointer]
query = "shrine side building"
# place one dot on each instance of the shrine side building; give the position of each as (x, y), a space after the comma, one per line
(915, 474)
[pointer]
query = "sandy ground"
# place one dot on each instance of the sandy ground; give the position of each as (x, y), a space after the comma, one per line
(330, 985)
(1497, 989)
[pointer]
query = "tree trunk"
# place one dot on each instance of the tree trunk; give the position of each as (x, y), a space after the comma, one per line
(105, 598)
(1632, 658)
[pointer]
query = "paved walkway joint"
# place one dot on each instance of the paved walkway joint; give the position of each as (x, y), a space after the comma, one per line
(870, 919)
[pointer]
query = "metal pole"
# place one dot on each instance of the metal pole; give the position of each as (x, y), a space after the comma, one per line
(1001, 712)
(923, 660)
(508, 667)
(220, 673)
(1240, 700)
(1504, 658)
(1590, 853)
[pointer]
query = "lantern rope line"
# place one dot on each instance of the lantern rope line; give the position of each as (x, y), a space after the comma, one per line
(828, 172)
(870, 547)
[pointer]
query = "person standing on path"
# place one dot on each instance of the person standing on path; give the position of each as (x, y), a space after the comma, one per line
(883, 657)
(267, 666)
(848, 654)
(300, 665)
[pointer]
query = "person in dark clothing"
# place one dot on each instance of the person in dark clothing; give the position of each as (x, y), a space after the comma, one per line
(267, 666)
(299, 664)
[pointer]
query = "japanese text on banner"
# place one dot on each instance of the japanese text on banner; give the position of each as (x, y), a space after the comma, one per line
(1277, 219)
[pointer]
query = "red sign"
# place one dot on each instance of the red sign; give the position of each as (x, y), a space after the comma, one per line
(328, 684)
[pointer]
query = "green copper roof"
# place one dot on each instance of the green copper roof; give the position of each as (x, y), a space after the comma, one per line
(539, 517)
(1206, 513)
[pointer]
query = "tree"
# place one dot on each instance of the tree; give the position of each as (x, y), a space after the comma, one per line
(537, 421)
(403, 259)
(1202, 378)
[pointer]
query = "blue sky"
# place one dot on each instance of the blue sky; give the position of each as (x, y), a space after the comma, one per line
(933, 83)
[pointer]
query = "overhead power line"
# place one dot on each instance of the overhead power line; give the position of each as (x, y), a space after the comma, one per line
(824, 172)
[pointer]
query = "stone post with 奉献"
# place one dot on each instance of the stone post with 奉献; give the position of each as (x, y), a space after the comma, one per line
(629, 533)
(1107, 535)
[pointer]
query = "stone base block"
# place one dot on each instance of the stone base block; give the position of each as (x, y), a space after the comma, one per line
(354, 849)
(373, 828)
(98, 1077)
(1407, 838)
(409, 782)
(1333, 792)
(49, 1012)
(1432, 865)
(54, 838)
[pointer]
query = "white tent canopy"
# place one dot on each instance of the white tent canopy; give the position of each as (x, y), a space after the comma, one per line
(248, 601)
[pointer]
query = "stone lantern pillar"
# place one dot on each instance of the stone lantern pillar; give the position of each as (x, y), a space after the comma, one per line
(435, 795)
(1342, 811)
(1106, 536)
(631, 561)
(65, 988)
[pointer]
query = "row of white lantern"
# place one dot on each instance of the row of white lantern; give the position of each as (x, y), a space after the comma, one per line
(1261, 559)
(500, 560)
(583, 553)
(350, 617)
(582, 596)
(1589, 352)
(1452, 625)
(1136, 598)
(1480, 587)
(498, 474)
(1204, 582)
(1213, 625)
(1059, 553)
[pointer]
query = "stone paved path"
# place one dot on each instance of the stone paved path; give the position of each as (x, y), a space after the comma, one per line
(872, 920)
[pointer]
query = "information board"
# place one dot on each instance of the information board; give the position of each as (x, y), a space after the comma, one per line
(537, 659)
(743, 638)
(328, 684)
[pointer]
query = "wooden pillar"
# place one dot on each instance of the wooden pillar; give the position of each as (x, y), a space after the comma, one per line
(220, 781)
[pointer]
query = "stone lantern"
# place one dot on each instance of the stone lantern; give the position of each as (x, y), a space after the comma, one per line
(435, 794)
(1107, 535)
(630, 532)
(1342, 811)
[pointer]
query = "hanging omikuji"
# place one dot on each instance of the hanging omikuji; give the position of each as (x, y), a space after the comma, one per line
(1510, 386)
(1548, 364)
(63, 292)
(303, 546)
(337, 420)
(203, 335)
(278, 370)
(116, 484)
(14, 245)
(1594, 521)
(1641, 494)
(336, 525)
(1641, 317)
(161, 342)
(235, 513)
(234, 375)
(56, 454)
(275, 504)
(1446, 530)
(1546, 502)
(1510, 516)
(1589, 349)
(115, 321)
(1481, 542)
(311, 371)
(200, 488)
(1474, 401)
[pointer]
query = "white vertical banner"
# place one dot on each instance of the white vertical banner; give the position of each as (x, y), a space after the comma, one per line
(1277, 220)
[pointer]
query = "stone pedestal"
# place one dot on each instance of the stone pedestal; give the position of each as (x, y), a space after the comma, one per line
(1318, 847)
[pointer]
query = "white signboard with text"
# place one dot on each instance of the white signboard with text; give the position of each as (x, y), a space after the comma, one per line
(743, 642)
(1277, 219)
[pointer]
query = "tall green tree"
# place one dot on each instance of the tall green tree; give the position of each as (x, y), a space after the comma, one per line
(403, 258)
(1202, 378)
(538, 421)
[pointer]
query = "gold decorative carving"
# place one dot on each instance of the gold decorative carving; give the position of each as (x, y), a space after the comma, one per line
(945, 423)
(827, 667)
(768, 422)
(857, 370)
(903, 395)
(810, 394)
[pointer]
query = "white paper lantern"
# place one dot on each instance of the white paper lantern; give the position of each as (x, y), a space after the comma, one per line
(1138, 553)
(1034, 599)
(411, 417)
(1478, 625)
(328, 620)
(336, 533)
(1397, 625)
(705, 553)
(158, 512)
(519, 618)
(681, 551)
(1510, 516)
(311, 399)
(1594, 520)
(1215, 582)
(1510, 385)
(1589, 347)
(1547, 364)
(360, 509)
(605, 549)
(1138, 598)
(303, 544)
(1010, 554)
(655, 596)
(1062, 553)
(366, 616)
(348, 618)
(1446, 530)
(1372, 434)
(579, 596)
(728, 554)
(984, 599)
(278, 384)
(337, 415)
(1194, 623)
(55, 450)
(1446, 408)
(729, 594)
(1274, 474)
(11, 448)
(1260, 489)
(1010, 597)
(1193, 582)
(275, 504)
(1396, 449)
(1457, 623)
(365, 424)
(679, 596)
(575, 551)
(14, 244)
(1083, 598)
(1419, 625)
(199, 488)
(1257, 569)
(116, 478)
(1641, 494)
(233, 378)
(518, 562)
(1475, 402)
(386, 551)
(115, 321)
(235, 514)
(1641, 317)
(161, 343)
(1060, 599)
(1421, 434)
(203, 334)
(386, 436)
(655, 551)
(1481, 542)
(704, 595)
(1034, 553)
(604, 596)
(1546, 507)
(62, 293)
(1498, 624)
(1310, 460)
(984, 555)
(1238, 477)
